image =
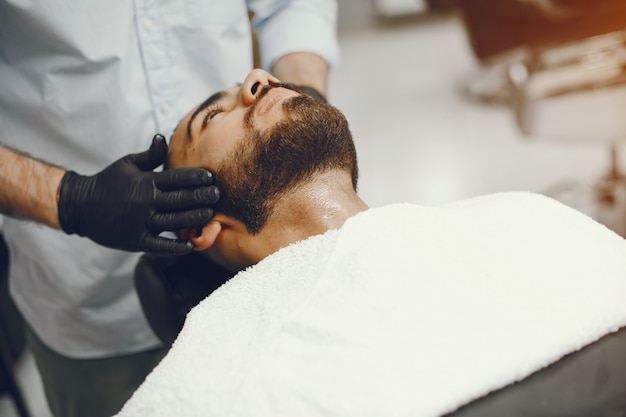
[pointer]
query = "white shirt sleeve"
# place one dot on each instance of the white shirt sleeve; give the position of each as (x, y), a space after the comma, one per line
(285, 26)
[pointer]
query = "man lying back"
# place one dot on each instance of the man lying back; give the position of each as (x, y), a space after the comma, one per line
(285, 162)
(403, 310)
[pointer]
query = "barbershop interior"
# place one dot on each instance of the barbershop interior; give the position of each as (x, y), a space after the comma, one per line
(452, 99)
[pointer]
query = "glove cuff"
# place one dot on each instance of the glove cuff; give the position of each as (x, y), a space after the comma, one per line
(64, 203)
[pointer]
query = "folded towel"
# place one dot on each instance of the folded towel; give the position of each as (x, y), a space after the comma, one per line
(406, 311)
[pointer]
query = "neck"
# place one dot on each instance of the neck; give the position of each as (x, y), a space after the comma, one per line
(322, 204)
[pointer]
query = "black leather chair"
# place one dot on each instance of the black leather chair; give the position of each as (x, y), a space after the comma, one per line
(12, 337)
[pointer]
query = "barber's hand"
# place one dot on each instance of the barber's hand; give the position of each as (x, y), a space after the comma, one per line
(127, 205)
(170, 286)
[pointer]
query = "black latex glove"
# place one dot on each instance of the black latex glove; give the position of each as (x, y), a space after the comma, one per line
(127, 205)
(170, 286)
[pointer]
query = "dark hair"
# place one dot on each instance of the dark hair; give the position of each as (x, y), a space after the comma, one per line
(314, 137)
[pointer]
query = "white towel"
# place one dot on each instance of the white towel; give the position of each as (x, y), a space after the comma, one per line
(406, 311)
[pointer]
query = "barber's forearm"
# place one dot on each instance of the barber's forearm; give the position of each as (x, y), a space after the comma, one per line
(28, 188)
(303, 68)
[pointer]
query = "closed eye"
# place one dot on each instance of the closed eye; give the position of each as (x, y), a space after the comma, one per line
(210, 113)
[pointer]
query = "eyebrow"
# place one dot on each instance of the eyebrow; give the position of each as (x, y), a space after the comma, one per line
(208, 102)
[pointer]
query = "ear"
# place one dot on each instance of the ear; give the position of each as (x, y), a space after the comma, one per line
(217, 228)
(206, 237)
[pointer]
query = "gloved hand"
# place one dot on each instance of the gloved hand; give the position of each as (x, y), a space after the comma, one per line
(170, 286)
(127, 205)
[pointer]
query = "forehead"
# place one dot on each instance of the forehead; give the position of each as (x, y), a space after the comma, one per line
(217, 99)
(185, 142)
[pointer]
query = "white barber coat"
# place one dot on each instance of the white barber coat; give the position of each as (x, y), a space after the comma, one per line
(84, 83)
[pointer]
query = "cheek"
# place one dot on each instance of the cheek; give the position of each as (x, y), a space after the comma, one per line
(218, 142)
(182, 156)
(196, 156)
(204, 153)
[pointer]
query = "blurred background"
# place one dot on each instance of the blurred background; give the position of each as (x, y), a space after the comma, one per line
(453, 99)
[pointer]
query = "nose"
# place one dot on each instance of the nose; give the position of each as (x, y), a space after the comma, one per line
(253, 84)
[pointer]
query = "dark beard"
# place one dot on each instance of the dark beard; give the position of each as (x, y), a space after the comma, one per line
(313, 137)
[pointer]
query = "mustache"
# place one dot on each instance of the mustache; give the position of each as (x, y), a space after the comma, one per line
(248, 122)
(267, 88)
